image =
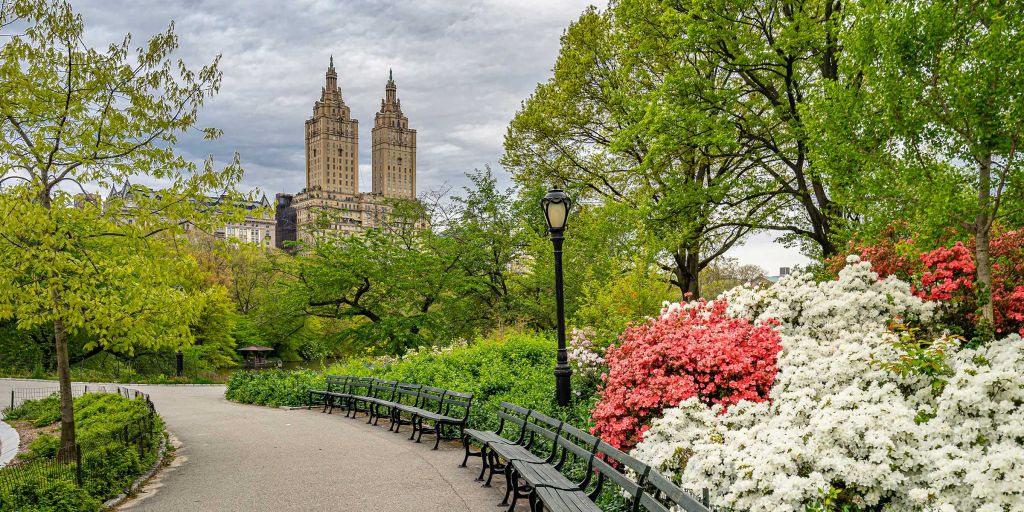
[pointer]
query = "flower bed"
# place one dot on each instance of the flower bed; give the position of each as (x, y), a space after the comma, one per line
(860, 416)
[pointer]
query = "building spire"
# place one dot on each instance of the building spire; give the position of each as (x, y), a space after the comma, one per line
(332, 77)
(390, 91)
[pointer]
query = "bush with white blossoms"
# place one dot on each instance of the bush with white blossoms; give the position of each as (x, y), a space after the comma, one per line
(842, 423)
(584, 356)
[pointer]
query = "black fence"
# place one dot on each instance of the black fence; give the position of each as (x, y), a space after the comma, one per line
(140, 435)
(67, 468)
(20, 395)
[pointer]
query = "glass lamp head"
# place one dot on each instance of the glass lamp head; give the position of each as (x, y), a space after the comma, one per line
(556, 204)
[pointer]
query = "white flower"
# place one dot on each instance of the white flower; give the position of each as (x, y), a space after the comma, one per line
(836, 419)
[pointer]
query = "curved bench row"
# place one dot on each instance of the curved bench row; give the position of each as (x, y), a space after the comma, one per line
(555, 466)
(427, 409)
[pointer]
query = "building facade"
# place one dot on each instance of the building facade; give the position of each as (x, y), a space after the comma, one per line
(259, 226)
(331, 201)
(394, 148)
(284, 219)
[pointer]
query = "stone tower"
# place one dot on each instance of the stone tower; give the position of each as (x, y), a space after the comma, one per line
(394, 148)
(332, 143)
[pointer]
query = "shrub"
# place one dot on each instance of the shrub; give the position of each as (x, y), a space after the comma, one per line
(691, 351)
(109, 465)
(275, 388)
(948, 275)
(860, 418)
(586, 360)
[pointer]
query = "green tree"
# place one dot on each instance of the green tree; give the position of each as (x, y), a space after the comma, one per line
(489, 232)
(395, 287)
(71, 115)
(625, 118)
(945, 79)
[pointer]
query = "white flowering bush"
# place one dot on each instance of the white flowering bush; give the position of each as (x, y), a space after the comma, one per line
(584, 356)
(841, 423)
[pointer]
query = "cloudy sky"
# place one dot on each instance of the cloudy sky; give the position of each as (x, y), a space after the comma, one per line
(462, 69)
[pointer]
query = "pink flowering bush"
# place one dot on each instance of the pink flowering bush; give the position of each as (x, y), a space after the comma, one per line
(947, 271)
(693, 350)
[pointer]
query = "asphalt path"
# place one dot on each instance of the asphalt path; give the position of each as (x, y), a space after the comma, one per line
(235, 457)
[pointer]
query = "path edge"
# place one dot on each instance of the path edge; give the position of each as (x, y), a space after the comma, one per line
(9, 434)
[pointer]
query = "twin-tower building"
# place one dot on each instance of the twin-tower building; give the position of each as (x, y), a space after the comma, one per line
(331, 200)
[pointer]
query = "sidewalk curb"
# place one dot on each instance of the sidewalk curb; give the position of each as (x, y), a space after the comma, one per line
(8, 436)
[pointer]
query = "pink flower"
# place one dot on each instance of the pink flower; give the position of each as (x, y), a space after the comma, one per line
(696, 350)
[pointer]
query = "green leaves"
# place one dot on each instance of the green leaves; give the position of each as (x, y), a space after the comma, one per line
(77, 117)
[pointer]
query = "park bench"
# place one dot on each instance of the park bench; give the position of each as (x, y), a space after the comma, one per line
(429, 410)
(534, 464)
(335, 384)
(356, 386)
(443, 408)
(407, 401)
(507, 413)
(378, 393)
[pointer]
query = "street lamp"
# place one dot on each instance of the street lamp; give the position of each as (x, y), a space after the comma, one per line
(556, 204)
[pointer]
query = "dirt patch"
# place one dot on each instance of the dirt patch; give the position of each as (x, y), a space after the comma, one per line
(29, 432)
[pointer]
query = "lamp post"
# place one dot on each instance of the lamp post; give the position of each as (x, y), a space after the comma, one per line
(556, 212)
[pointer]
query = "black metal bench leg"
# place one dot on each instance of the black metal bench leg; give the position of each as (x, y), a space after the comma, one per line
(414, 424)
(508, 482)
(437, 433)
(493, 468)
(465, 444)
(483, 463)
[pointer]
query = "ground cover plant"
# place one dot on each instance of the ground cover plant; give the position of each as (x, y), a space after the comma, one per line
(118, 438)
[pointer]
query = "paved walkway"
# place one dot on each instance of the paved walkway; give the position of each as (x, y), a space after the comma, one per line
(235, 457)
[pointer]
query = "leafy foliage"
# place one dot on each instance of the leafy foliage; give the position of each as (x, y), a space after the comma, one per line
(108, 463)
(74, 115)
(516, 368)
(275, 388)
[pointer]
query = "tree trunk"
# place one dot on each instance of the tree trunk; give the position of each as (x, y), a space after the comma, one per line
(67, 410)
(982, 226)
(687, 272)
(67, 407)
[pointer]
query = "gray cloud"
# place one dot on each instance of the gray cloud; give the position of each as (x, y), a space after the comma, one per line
(462, 68)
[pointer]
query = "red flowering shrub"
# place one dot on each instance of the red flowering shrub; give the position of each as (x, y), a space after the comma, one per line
(947, 271)
(694, 351)
(949, 274)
